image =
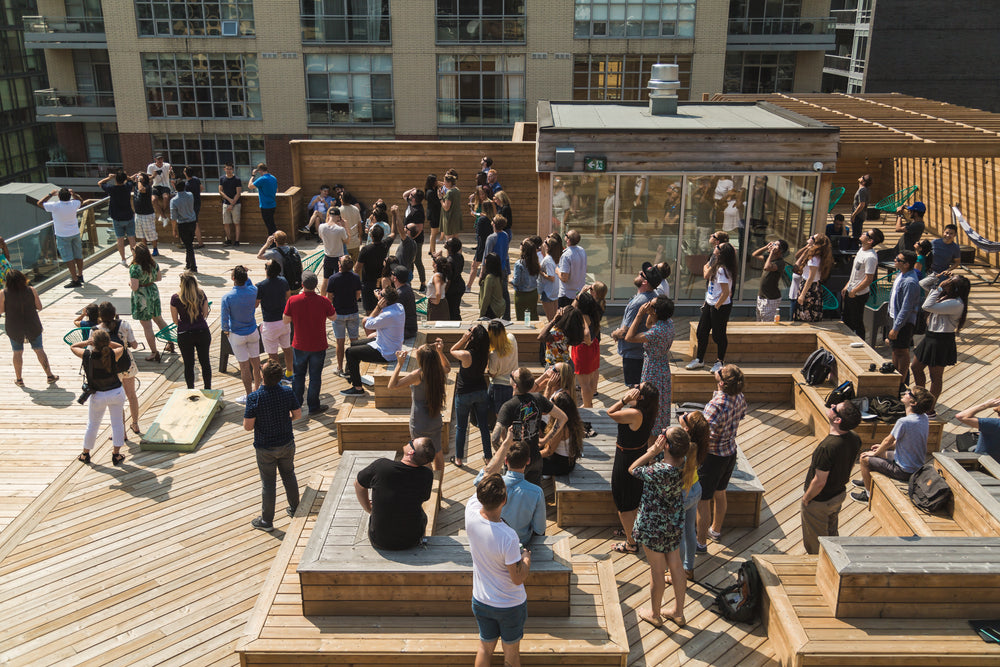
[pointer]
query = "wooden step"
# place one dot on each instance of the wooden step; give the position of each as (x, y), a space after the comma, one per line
(894, 509)
(763, 383)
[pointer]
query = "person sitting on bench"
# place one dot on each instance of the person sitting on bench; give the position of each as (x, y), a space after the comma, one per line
(398, 491)
(989, 427)
(525, 508)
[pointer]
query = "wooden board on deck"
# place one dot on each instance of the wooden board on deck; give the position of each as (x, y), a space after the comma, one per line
(183, 420)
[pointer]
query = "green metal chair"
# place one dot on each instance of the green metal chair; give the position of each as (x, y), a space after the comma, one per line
(422, 306)
(168, 334)
(76, 335)
(892, 203)
(313, 262)
(830, 300)
(835, 195)
(878, 292)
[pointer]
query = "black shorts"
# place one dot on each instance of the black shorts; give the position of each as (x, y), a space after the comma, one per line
(904, 338)
(714, 474)
(160, 190)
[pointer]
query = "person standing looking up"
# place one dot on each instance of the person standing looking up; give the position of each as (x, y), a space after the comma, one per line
(145, 214)
(239, 322)
(427, 393)
(193, 185)
(334, 235)
(276, 334)
(451, 205)
(344, 290)
(66, 228)
(913, 228)
(308, 313)
(861, 199)
(572, 269)
(20, 303)
(120, 209)
(183, 215)
(769, 293)
(903, 302)
(189, 308)
(720, 272)
(231, 189)
(266, 186)
(855, 292)
(100, 357)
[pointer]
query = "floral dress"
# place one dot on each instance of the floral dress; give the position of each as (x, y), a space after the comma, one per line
(146, 299)
(656, 367)
(556, 348)
(660, 521)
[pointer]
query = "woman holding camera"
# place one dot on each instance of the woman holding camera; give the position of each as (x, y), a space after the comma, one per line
(473, 352)
(104, 391)
(946, 305)
(427, 398)
(635, 415)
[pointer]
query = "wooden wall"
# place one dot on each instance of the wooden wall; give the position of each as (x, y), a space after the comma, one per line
(386, 169)
(252, 229)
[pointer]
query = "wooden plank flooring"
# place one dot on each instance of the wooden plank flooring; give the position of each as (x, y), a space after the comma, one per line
(155, 563)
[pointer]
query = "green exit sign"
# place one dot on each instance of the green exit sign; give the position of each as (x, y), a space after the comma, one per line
(595, 163)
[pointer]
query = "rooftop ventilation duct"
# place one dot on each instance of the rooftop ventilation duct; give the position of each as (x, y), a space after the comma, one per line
(663, 85)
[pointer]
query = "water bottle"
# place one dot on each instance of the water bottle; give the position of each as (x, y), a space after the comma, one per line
(777, 318)
(527, 318)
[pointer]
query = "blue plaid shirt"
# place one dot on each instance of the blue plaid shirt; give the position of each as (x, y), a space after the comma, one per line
(271, 407)
(724, 413)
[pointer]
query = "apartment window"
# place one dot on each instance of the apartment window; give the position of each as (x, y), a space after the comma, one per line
(480, 90)
(195, 18)
(349, 88)
(345, 21)
(623, 77)
(209, 152)
(480, 21)
(636, 18)
(755, 72)
(201, 85)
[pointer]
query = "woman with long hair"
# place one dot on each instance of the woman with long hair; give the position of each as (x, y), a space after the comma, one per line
(143, 275)
(189, 310)
(946, 305)
(491, 301)
(121, 333)
(20, 303)
(656, 342)
(437, 299)
(660, 519)
(390, 263)
(483, 210)
(99, 356)
(502, 202)
(567, 329)
(635, 415)
(556, 378)
(720, 272)
(525, 282)
(433, 204)
(426, 383)
(503, 361)
(562, 451)
(815, 264)
(548, 278)
(456, 282)
(473, 353)
(587, 355)
(145, 213)
(699, 431)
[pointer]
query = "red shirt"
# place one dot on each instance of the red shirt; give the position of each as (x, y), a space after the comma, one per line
(309, 312)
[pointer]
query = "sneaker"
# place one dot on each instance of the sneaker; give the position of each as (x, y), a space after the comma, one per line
(861, 496)
(156, 252)
(80, 279)
(287, 382)
(260, 524)
(342, 373)
(73, 283)
(290, 511)
(124, 262)
(546, 476)
(305, 230)
(226, 243)
(242, 400)
(714, 536)
(695, 364)
(235, 243)
(351, 391)
(700, 548)
(318, 410)
(858, 483)
(422, 288)
(716, 367)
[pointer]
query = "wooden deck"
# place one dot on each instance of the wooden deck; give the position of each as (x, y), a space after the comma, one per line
(155, 563)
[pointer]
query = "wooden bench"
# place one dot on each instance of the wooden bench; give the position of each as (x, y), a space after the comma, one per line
(755, 342)
(583, 497)
(342, 574)
(763, 383)
(526, 337)
(974, 480)
(897, 514)
(910, 577)
(802, 629)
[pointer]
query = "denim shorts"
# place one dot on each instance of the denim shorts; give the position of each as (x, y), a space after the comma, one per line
(505, 623)
(69, 247)
(346, 325)
(18, 345)
(124, 228)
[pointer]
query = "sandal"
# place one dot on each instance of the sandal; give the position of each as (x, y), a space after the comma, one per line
(117, 459)
(618, 532)
(669, 580)
(135, 428)
(588, 430)
(679, 621)
(19, 382)
(84, 457)
(452, 461)
(626, 548)
(52, 379)
(168, 348)
(155, 357)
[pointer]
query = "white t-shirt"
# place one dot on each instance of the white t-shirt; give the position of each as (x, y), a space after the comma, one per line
(574, 262)
(352, 219)
(731, 217)
(714, 290)
(865, 262)
(550, 288)
(162, 179)
(494, 546)
(334, 238)
(64, 222)
(811, 270)
(663, 289)
(723, 187)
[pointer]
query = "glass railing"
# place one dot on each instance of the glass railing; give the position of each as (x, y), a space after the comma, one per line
(855, 16)
(68, 24)
(844, 64)
(820, 25)
(50, 97)
(33, 252)
(58, 171)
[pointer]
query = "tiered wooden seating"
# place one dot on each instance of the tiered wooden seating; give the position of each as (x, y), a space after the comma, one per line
(898, 516)
(583, 498)
(974, 480)
(907, 577)
(449, 333)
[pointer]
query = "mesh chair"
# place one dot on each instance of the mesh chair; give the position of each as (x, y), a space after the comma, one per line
(835, 195)
(76, 335)
(980, 242)
(892, 203)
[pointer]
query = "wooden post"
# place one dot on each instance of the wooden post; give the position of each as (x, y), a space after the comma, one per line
(544, 203)
(823, 203)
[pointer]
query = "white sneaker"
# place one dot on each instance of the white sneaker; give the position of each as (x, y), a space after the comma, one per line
(242, 400)
(695, 363)
(124, 263)
(716, 367)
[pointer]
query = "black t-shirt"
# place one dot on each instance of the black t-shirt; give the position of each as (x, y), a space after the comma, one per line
(398, 491)
(272, 293)
(836, 454)
(528, 409)
(408, 300)
(229, 185)
(372, 257)
(194, 187)
(457, 264)
(433, 206)
(120, 201)
(343, 288)
(911, 234)
(770, 284)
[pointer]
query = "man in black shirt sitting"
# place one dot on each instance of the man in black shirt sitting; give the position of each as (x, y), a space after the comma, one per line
(398, 491)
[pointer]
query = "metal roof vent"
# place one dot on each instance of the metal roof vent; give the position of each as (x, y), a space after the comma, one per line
(663, 85)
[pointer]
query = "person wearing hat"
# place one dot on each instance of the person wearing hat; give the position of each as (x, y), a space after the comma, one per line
(631, 353)
(912, 228)
(307, 313)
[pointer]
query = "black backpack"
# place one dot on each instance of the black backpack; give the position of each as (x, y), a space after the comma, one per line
(94, 383)
(928, 490)
(124, 362)
(843, 392)
(887, 408)
(292, 266)
(820, 365)
(740, 602)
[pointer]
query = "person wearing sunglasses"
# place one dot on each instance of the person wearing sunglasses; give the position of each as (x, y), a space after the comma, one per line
(903, 302)
(393, 492)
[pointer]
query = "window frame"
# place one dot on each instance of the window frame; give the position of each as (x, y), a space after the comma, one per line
(200, 86)
(350, 73)
(212, 12)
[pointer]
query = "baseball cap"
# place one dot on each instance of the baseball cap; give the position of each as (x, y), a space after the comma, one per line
(309, 280)
(402, 275)
(651, 274)
(918, 206)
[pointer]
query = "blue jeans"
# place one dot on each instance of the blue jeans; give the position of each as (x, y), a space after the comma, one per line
(690, 537)
(464, 405)
(314, 361)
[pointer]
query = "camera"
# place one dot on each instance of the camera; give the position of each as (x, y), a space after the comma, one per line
(517, 429)
(887, 368)
(87, 392)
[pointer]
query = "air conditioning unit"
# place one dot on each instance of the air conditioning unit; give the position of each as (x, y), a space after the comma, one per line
(230, 28)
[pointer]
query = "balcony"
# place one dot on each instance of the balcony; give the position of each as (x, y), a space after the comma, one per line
(852, 18)
(71, 32)
(800, 34)
(79, 175)
(76, 107)
(844, 66)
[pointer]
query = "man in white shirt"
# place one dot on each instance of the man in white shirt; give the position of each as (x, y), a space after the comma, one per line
(499, 569)
(572, 269)
(351, 215)
(386, 322)
(67, 230)
(334, 235)
(855, 292)
(161, 175)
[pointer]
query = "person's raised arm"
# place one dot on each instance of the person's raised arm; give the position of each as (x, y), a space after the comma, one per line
(633, 335)
(38, 300)
(439, 348)
(104, 180)
(413, 377)
(968, 417)
(264, 248)
(544, 333)
(651, 453)
(558, 419)
(500, 453)
(458, 349)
